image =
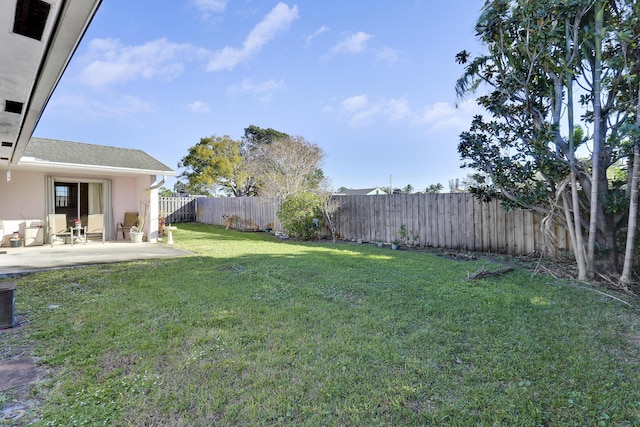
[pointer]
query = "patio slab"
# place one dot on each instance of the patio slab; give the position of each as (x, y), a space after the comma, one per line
(16, 261)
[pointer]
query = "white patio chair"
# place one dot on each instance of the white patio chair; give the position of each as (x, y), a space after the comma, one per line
(94, 227)
(58, 228)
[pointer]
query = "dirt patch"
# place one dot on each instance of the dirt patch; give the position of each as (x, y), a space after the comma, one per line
(19, 377)
(17, 373)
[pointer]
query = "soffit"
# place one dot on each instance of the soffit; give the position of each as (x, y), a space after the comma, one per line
(34, 53)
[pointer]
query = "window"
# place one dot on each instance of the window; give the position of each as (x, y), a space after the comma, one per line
(62, 196)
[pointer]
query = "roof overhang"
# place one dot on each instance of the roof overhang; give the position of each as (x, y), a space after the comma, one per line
(31, 164)
(37, 40)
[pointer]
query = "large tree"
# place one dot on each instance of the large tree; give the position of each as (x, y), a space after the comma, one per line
(537, 52)
(255, 136)
(266, 162)
(288, 166)
(217, 163)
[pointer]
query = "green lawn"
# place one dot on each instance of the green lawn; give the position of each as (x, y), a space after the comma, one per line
(257, 331)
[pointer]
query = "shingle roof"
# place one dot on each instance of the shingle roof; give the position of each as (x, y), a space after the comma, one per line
(56, 151)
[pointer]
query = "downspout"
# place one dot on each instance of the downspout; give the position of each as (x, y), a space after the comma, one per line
(158, 184)
(154, 211)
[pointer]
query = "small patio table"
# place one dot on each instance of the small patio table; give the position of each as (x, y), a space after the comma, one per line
(78, 234)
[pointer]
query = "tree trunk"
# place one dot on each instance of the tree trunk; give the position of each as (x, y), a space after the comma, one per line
(627, 269)
(597, 136)
(608, 263)
(578, 248)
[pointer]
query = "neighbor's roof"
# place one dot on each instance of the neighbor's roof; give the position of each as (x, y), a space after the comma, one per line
(53, 153)
(362, 191)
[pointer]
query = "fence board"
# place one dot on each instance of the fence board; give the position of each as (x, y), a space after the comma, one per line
(423, 223)
(477, 224)
(462, 223)
(178, 209)
(470, 222)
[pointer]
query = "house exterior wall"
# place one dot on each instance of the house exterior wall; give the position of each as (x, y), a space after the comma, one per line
(125, 200)
(21, 203)
(22, 200)
(23, 196)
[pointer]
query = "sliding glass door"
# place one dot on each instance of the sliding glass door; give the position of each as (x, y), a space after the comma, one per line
(79, 198)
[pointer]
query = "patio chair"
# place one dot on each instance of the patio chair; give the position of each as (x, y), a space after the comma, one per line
(58, 228)
(130, 219)
(95, 227)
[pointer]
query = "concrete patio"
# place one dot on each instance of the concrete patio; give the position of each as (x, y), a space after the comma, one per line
(15, 261)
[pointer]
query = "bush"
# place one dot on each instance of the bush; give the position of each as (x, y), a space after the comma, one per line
(300, 215)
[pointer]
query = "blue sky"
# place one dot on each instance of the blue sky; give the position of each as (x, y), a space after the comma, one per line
(371, 83)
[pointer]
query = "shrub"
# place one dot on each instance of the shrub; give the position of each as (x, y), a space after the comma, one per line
(300, 215)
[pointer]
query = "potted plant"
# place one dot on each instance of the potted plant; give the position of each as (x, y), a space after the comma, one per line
(137, 231)
(136, 234)
(380, 243)
(401, 239)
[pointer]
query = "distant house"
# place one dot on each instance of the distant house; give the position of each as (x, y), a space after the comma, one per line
(361, 192)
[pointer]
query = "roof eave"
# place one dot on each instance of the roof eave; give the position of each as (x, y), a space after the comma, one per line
(71, 23)
(33, 164)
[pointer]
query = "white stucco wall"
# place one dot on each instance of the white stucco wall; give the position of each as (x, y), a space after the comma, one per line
(23, 196)
(129, 194)
(21, 203)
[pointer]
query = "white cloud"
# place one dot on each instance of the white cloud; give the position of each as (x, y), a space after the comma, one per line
(263, 90)
(398, 110)
(355, 103)
(361, 111)
(352, 45)
(319, 31)
(442, 115)
(124, 108)
(358, 43)
(365, 117)
(199, 107)
(266, 86)
(108, 61)
(387, 54)
(207, 6)
(279, 19)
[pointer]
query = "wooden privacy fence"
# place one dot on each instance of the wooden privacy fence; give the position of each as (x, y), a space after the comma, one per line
(452, 221)
(249, 212)
(178, 209)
